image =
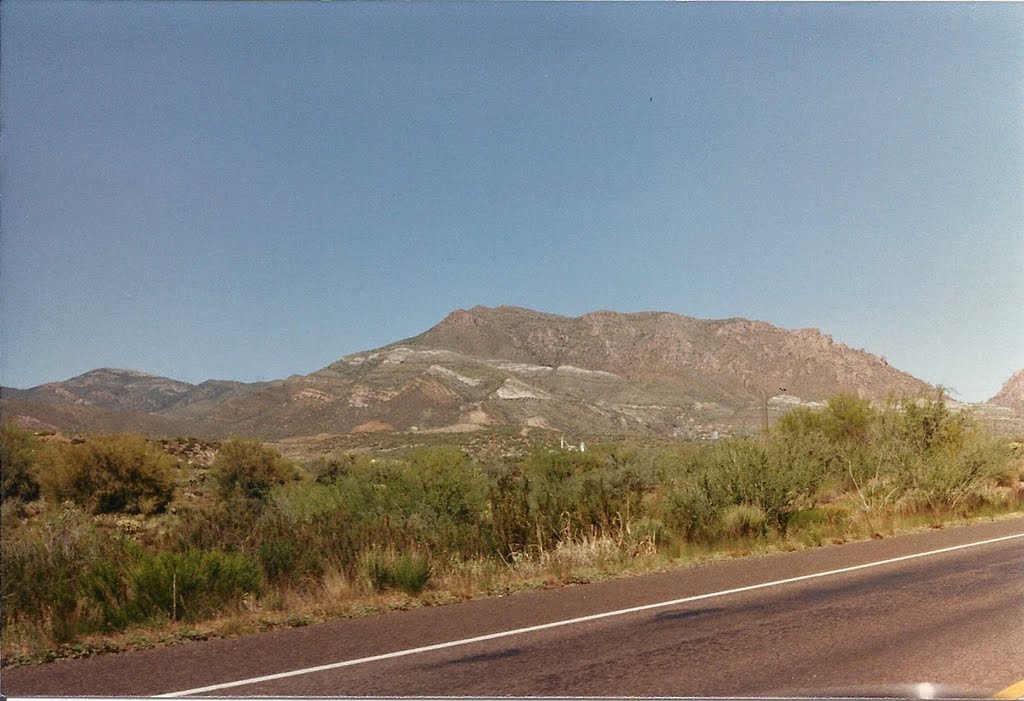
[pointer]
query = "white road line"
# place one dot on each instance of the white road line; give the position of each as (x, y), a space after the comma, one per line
(572, 621)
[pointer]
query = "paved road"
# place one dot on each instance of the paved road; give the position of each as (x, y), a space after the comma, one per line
(954, 620)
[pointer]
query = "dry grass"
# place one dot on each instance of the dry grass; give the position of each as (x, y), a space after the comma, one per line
(586, 559)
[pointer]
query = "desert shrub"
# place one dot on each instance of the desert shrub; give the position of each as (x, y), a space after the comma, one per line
(801, 421)
(926, 424)
(451, 501)
(743, 521)
(816, 517)
(693, 509)
(611, 497)
(435, 501)
(955, 476)
(18, 454)
(67, 577)
(106, 474)
(229, 524)
(773, 479)
(331, 468)
(509, 499)
(191, 585)
(293, 534)
(772, 476)
(923, 455)
(290, 548)
(105, 594)
(847, 419)
(405, 572)
(341, 535)
(249, 469)
(279, 558)
(574, 494)
(645, 535)
(834, 445)
(49, 571)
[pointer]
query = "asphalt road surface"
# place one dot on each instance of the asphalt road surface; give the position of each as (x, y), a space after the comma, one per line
(898, 619)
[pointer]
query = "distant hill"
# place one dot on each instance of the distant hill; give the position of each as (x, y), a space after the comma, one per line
(130, 390)
(107, 388)
(603, 372)
(110, 399)
(1011, 394)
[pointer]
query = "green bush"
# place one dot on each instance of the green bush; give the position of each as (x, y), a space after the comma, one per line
(447, 501)
(18, 454)
(191, 586)
(107, 474)
(279, 559)
(813, 518)
(53, 569)
(383, 521)
(406, 573)
(434, 501)
(954, 477)
(744, 521)
(104, 589)
(292, 555)
(329, 469)
(229, 525)
(509, 499)
(67, 577)
(693, 509)
(847, 419)
(247, 468)
(574, 494)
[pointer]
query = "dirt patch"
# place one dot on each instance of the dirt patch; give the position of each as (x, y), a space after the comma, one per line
(371, 426)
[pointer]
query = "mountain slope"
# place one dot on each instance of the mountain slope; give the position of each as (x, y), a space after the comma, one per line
(1011, 394)
(82, 418)
(601, 372)
(730, 359)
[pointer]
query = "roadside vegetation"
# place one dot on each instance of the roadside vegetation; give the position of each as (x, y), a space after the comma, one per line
(114, 541)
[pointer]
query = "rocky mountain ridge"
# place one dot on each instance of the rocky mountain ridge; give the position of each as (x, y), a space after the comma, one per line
(603, 372)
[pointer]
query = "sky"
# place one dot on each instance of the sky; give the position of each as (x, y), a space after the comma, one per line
(251, 190)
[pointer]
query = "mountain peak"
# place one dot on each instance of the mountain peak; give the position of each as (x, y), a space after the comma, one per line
(726, 357)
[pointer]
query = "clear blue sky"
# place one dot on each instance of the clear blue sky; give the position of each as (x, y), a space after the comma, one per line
(247, 191)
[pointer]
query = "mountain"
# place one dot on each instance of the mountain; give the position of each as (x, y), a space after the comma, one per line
(603, 372)
(131, 391)
(728, 360)
(107, 388)
(112, 399)
(1011, 394)
(82, 418)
